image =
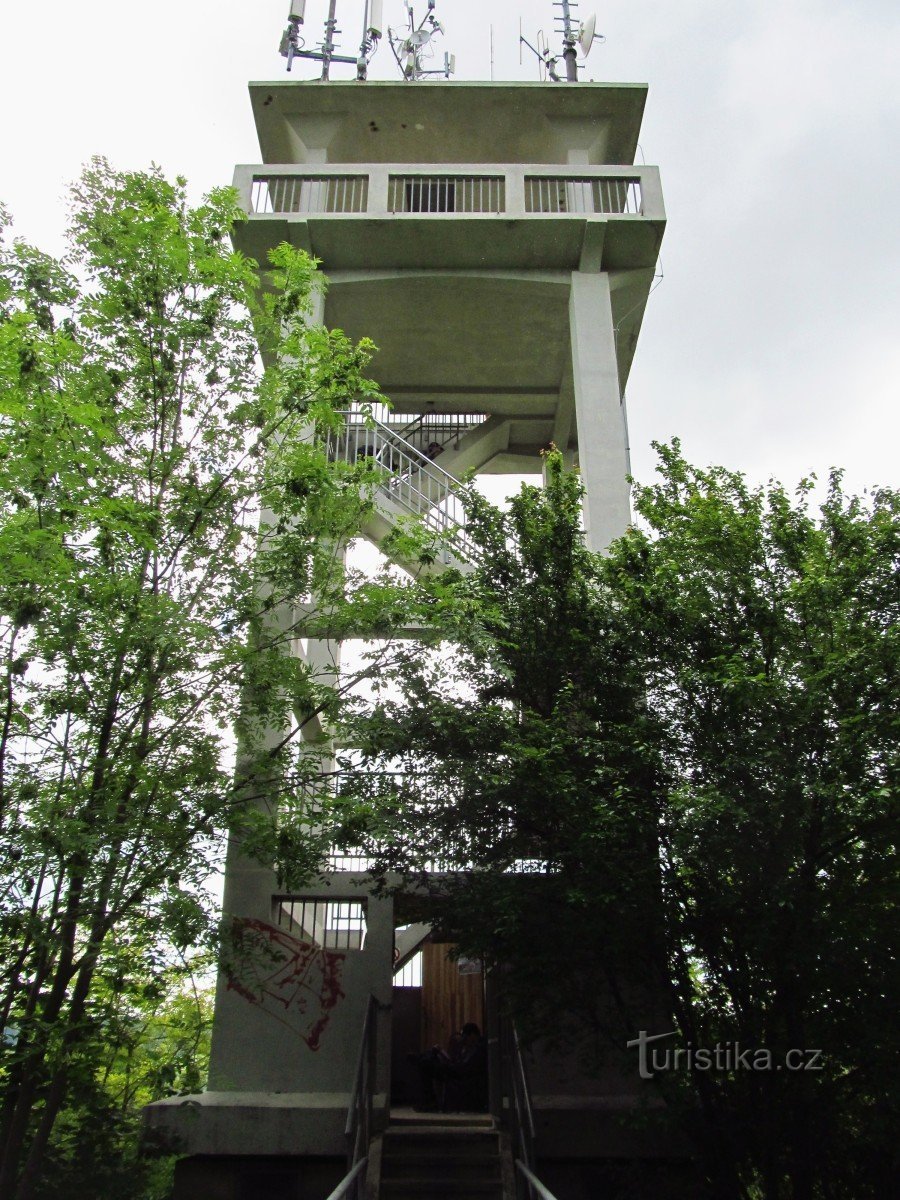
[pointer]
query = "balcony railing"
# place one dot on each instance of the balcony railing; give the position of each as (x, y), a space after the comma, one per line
(446, 194)
(559, 194)
(309, 193)
(470, 191)
(411, 796)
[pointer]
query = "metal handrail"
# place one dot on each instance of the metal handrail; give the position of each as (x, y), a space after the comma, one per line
(416, 483)
(535, 1187)
(439, 428)
(523, 1126)
(358, 1127)
(521, 1104)
(354, 1176)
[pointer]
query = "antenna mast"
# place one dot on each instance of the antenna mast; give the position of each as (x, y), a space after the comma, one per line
(293, 46)
(409, 48)
(569, 38)
(575, 35)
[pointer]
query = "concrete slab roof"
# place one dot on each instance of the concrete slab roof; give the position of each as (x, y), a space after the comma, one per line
(396, 122)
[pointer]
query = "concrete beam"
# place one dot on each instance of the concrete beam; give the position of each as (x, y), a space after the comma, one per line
(477, 447)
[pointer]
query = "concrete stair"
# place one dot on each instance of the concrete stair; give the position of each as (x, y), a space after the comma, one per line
(430, 1156)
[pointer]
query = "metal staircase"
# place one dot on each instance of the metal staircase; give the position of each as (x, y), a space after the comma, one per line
(414, 484)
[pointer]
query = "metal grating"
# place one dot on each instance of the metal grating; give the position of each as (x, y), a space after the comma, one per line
(331, 924)
(446, 194)
(309, 194)
(560, 194)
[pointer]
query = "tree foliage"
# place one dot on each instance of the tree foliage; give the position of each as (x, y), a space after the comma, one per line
(668, 776)
(162, 500)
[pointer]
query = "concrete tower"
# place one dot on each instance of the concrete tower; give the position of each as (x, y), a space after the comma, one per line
(498, 245)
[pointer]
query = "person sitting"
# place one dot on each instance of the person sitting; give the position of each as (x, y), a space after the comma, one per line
(456, 1081)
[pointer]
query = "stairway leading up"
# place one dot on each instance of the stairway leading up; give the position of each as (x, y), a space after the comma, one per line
(414, 485)
(431, 1156)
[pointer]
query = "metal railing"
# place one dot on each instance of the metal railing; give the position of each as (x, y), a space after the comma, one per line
(358, 1128)
(410, 794)
(309, 194)
(353, 1183)
(528, 1186)
(564, 194)
(331, 924)
(535, 1187)
(414, 483)
(419, 429)
(498, 189)
(430, 432)
(446, 194)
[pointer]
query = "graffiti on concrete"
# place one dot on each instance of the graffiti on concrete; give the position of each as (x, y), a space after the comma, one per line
(295, 981)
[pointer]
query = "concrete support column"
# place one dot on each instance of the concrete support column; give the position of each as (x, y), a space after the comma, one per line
(514, 183)
(602, 446)
(379, 178)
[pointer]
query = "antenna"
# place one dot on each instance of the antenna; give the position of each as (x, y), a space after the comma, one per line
(569, 39)
(293, 46)
(587, 34)
(413, 49)
(583, 40)
(373, 26)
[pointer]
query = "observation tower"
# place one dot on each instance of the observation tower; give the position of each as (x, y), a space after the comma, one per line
(498, 244)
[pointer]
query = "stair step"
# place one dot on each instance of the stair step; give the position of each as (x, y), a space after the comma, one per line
(441, 1156)
(407, 1117)
(443, 1168)
(425, 1148)
(414, 1188)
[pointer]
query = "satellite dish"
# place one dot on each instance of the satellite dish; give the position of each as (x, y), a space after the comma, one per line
(587, 35)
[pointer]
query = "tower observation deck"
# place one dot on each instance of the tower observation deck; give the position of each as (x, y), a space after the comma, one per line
(494, 240)
(498, 245)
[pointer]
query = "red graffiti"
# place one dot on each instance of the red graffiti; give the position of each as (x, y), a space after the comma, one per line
(276, 971)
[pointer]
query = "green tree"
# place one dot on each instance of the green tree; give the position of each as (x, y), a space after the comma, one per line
(163, 499)
(152, 1024)
(670, 775)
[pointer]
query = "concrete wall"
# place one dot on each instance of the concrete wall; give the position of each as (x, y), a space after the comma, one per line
(247, 1178)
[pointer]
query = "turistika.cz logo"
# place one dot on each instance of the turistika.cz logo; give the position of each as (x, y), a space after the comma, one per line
(724, 1056)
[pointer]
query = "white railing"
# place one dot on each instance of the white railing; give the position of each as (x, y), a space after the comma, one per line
(522, 1131)
(446, 194)
(353, 1184)
(414, 483)
(422, 429)
(309, 194)
(465, 191)
(410, 794)
(358, 1128)
(562, 194)
(430, 432)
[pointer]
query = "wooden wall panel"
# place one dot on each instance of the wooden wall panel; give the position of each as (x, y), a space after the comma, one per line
(448, 998)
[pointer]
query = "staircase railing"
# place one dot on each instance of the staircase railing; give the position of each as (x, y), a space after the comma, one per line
(430, 432)
(529, 1187)
(358, 1129)
(415, 483)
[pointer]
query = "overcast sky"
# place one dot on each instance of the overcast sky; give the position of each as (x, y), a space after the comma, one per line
(771, 344)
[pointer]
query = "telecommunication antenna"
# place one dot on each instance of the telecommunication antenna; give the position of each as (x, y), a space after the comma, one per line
(293, 46)
(575, 36)
(413, 48)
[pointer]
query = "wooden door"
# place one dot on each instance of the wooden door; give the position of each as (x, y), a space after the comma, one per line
(450, 996)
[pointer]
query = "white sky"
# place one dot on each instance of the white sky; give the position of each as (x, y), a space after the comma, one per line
(771, 345)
